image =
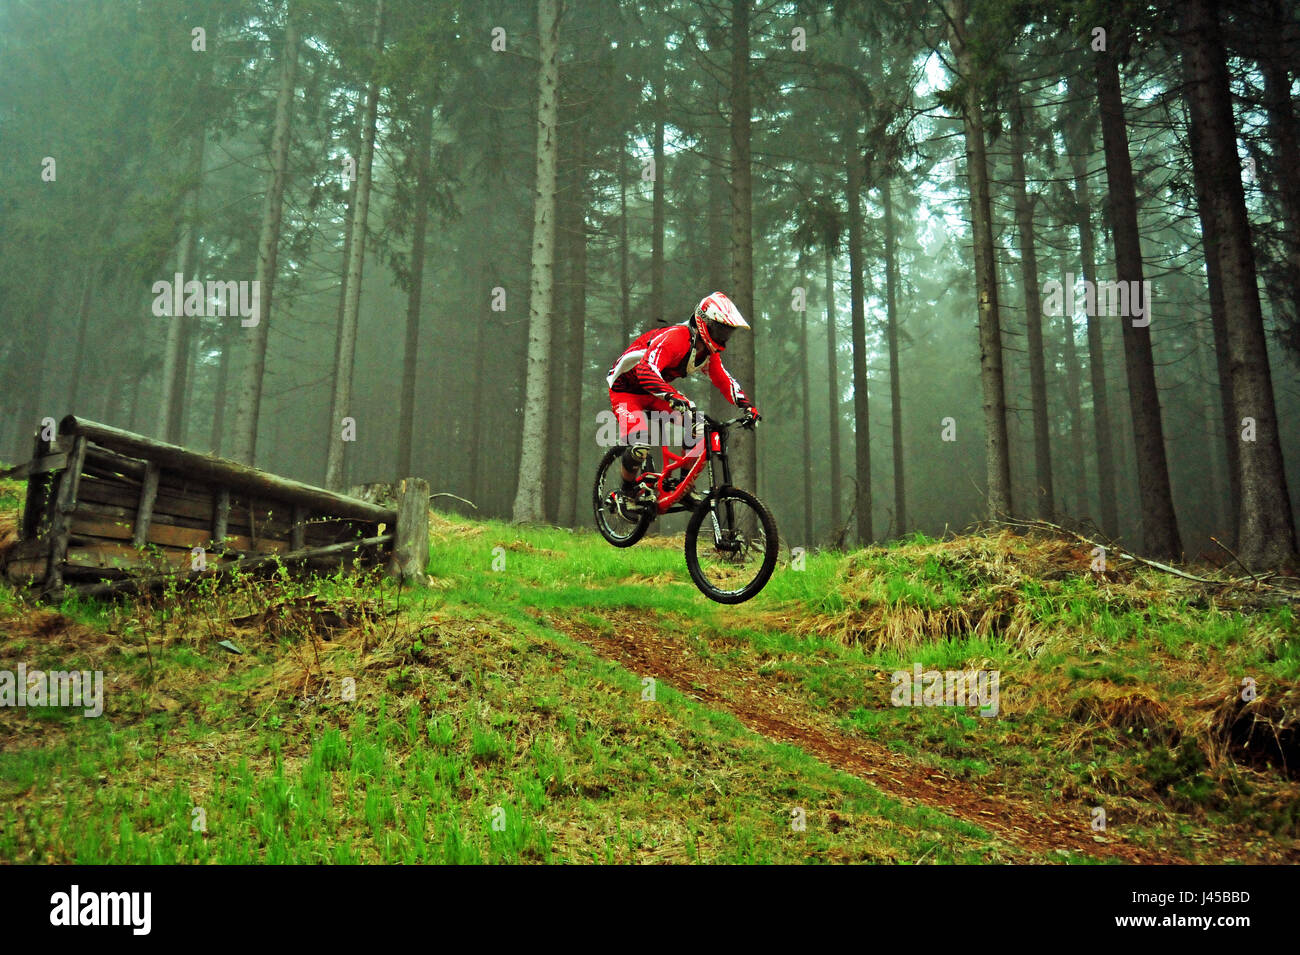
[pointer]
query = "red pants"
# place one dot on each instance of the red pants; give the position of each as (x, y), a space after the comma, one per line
(631, 411)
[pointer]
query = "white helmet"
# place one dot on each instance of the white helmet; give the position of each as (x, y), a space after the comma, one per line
(716, 318)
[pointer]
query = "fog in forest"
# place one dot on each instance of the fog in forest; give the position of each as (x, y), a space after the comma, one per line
(999, 260)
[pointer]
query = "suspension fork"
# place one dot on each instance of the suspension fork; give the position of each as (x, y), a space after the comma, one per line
(728, 518)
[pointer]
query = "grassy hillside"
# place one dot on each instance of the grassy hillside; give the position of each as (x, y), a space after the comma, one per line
(550, 698)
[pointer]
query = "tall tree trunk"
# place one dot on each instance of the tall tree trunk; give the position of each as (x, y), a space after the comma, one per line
(833, 405)
(996, 444)
(529, 499)
(188, 379)
(1267, 532)
(1159, 524)
(83, 321)
(1074, 397)
(570, 409)
(224, 335)
(1044, 497)
(719, 264)
(476, 420)
(1280, 48)
(624, 275)
(719, 202)
(657, 206)
(560, 368)
(740, 354)
(175, 368)
(32, 371)
(178, 417)
(1224, 503)
(1080, 149)
(342, 400)
(805, 392)
(410, 362)
(249, 397)
(895, 369)
(1210, 231)
(861, 409)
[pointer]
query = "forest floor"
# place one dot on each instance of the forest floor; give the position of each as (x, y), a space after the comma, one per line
(550, 698)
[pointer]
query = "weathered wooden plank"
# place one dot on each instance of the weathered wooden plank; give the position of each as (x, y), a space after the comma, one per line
(41, 465)
(220, 472)
(245, 565)
(269, 522)
(336, 532)
(34, 547)
(125, 557)
(144, 514)
(85, 526)
(114, 463)
(65, 500)
(28, 569)
(197, 507)
(125, 515)
(93, 517)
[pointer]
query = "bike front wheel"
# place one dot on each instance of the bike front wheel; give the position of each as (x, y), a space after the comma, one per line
(731, 546)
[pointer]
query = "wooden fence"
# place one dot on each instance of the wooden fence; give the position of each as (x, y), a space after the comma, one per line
(108, 510)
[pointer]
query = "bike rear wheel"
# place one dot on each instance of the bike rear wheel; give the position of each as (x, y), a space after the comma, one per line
(731, 546)
(613, 526)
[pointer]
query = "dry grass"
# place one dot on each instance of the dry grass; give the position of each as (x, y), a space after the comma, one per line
(443, 525)
(1264, 731)
(979, 586)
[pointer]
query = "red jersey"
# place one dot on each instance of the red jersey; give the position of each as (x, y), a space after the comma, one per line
(662, 355)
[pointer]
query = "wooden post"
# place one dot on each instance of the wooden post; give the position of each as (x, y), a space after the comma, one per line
(411, 536)
(144, 514)
(38, 487)
(66, 499)
(298, 536)
(220, 518)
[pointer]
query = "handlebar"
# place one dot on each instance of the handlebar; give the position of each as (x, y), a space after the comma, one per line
(743, 420)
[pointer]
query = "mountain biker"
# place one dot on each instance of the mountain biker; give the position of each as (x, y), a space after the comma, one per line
(639, 382)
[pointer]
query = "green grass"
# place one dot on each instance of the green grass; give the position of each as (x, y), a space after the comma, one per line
(511, 743)
(483, 732)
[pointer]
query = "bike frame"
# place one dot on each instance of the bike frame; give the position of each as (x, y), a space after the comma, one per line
(713, 445)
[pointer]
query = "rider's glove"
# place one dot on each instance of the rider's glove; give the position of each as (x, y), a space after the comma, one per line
(682, 406)
(752, 416)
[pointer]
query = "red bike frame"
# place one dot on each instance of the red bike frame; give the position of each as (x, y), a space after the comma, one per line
(709, 443)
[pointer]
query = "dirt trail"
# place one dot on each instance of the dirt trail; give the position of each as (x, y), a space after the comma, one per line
(787, 719)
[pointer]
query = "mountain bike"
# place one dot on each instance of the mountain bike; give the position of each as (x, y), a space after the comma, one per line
(731, 537)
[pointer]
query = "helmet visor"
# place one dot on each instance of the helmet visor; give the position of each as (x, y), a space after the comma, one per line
(719, 332)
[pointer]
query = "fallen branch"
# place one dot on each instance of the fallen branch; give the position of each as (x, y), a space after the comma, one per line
(1056, 528)
(455, 497)
(1235, 557)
